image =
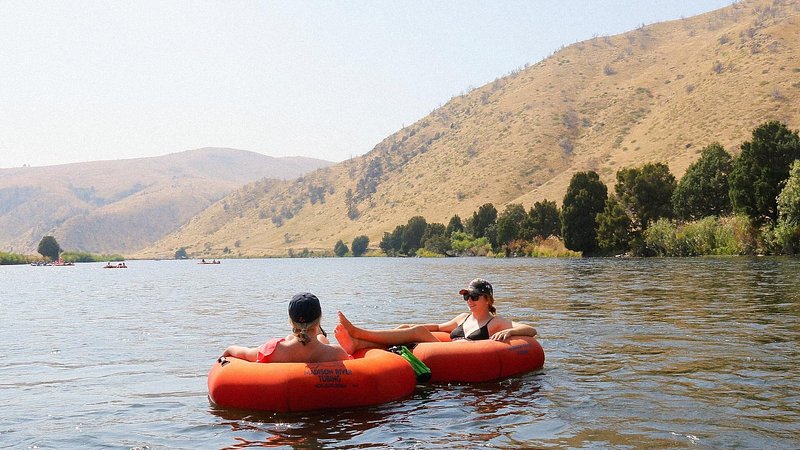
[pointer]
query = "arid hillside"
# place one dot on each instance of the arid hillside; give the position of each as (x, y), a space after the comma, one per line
(123, 206)
(659, 93)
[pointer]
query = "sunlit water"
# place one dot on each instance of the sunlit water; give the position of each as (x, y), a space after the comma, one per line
(679, 353)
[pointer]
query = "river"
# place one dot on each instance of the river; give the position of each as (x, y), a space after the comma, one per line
(641, 353)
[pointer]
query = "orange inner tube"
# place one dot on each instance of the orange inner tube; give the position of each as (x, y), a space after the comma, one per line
(373, 377)
(476, 361)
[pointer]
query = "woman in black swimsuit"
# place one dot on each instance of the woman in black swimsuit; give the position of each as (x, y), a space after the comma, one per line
(481, 322)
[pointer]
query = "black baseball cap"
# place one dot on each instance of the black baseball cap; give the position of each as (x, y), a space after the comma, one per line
(304, 308)
(478, 286)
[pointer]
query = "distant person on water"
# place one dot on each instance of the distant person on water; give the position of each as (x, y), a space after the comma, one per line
(480, 323)
(307, 343)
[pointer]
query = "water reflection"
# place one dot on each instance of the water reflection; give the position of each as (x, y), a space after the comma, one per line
(443, 414)
(665, 353)
(301, 430)
(677, 335)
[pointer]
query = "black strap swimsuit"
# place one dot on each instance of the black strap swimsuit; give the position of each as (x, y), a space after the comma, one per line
(480, 334)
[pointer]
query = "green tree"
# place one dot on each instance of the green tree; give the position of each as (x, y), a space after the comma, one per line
(340, 249)
(787, 231)
(544, 220)
(760, 170)
(360, 245)
(509, 223)
(703, 190)
(433, 230)
(481, 220)
(613, 228)
(454, 225)
(391, 242)
(412, 235)
(49, 248)
(439, 244)
(646, 193)
(491, 235)
(585, 198)
(435, 239)
(181, 253)
(789, 198)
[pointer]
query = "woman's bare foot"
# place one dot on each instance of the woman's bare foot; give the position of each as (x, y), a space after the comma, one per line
(351, 329)
(344, 338)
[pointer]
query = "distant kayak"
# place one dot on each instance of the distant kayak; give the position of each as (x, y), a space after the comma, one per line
(209, 262)
(115, 266)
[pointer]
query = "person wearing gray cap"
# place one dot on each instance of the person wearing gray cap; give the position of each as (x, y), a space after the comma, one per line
(307, 343)
(480, 323)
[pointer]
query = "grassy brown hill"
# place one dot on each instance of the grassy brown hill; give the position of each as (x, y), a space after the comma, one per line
(659, 93)
(122, 206)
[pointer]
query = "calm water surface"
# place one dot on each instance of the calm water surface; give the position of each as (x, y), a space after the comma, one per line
(679, 353)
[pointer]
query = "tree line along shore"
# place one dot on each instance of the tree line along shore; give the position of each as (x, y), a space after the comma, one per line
(50, 251)
(723, 205)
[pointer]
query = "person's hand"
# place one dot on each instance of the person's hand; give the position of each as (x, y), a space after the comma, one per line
(501, 335)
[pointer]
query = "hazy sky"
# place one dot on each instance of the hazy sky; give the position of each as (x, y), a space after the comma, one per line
(91, 80)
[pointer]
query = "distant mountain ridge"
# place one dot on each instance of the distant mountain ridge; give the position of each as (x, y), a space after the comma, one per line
(124, 205)
(659, 93)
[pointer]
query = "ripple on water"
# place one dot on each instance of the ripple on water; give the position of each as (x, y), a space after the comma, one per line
(664, 353)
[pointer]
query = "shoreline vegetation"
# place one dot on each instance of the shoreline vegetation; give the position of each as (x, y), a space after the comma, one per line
(66, 257)
(725, 205)
(747, 205)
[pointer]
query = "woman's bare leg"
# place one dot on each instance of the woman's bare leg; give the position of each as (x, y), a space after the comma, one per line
(383, 338)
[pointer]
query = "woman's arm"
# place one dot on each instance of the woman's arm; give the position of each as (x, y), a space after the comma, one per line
(517, 329)
(451, 324)
(237, 351)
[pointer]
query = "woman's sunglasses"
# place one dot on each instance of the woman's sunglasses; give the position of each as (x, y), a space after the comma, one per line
(473, 297)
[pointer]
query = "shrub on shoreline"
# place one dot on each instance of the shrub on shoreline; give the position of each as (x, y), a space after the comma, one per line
(70, 257)
(710, 236)
(13, 258)
(88, 257)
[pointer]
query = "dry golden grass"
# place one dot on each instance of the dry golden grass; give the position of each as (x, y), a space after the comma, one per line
(656, 94)
(123, 206)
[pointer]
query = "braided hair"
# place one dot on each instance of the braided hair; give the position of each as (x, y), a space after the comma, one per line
(300, 330)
